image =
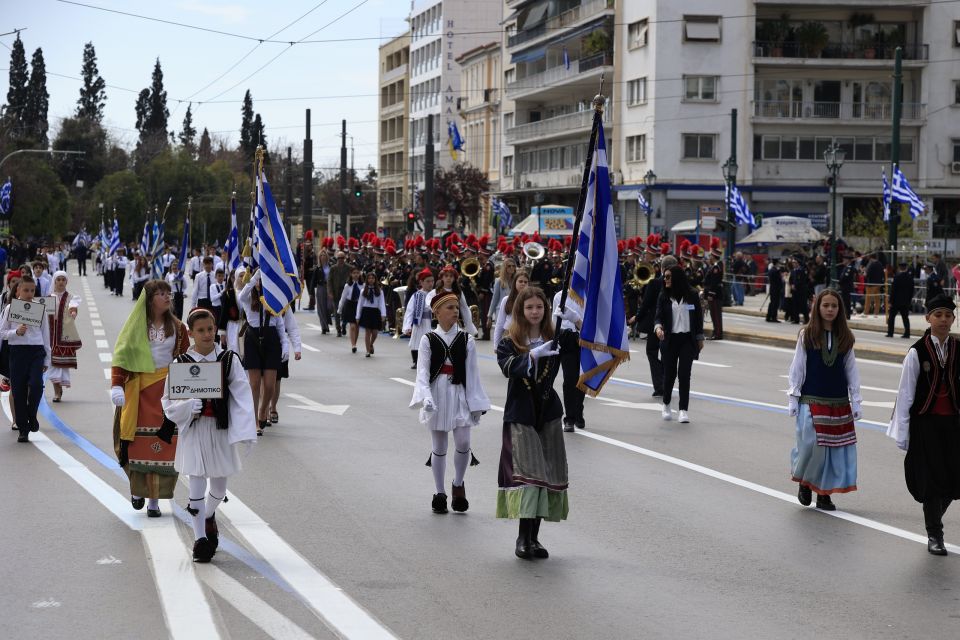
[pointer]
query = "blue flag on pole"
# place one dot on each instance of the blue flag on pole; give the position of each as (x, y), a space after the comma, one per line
(184, 245)
(887, 196)
(157, 249)
(278, 266)
(644, 205)
(232, 245)
(454, 139)
(145, 239)
(115, 237)
(738, 205)
(902, 192)
(6, 199)
(596, 284)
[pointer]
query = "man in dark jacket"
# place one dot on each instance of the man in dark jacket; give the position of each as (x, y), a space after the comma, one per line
(847, 279)
(648, 309)
(901, 297)
(800, 291)
(774, 290)
(713, 289)
(873, 279)
(336, 280)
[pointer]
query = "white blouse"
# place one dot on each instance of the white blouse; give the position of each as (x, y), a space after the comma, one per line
(899, 427)
(376, 303)
(798, 374)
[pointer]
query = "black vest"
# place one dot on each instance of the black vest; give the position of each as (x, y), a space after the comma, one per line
(220, 407)
(933, 375)
(456, 353)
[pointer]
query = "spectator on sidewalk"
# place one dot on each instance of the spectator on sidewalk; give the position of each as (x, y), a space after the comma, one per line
(774, 290)
(847, 279)
(934, 282)
(800, 291)
(739, 271)
(820, 275)
(874, 280)
(901, 297)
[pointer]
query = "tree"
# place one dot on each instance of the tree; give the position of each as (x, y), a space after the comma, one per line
(93, 95)
(34, 114)
(188, 133)
(17, 90)
(458, 193)
(247, 147)
(258, 135)
(43, 204)
(123, 192)
(81, 134)
(205, 151)
(152, 114)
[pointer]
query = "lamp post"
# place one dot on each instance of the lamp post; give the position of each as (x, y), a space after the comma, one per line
(833, 157)
(730, 177)
(649, 182)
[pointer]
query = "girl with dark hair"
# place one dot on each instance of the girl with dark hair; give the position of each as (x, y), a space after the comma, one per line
(263, 345)
(349, 301)
(371, 311)
(679, 326)
(139, 275)
(824, 392)
(520, 281)
(449, 280)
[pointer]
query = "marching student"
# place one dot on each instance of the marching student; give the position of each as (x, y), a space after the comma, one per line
(450, 281)
(177, 284)
(29, 357)
(119, 264)
(570, 362)
(216, 295)
(64, 337)
(924, 422)
(229, 320)
(203, 285)
(262, 348)
(448, 386)
(292, 342)
(347, 308)
(44, 282)
(520, 281)
(533, 461)
(678, 324)
(417, 316)
(211, 432)
(501, 289)
(371, 311)
(139, 275)
(824, 390)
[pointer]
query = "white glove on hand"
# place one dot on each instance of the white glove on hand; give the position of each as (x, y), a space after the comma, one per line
(475, 416)
(428, 405)
(117, 397)
(857, 411)
(546, 349)
(197, 405)
(793, 406)
(570, 315)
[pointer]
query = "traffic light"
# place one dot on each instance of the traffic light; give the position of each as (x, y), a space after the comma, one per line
(411, 220)
(358, 191)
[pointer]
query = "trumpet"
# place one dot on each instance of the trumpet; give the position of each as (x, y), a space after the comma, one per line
(470, 268)
(642, 275)
(534, 251)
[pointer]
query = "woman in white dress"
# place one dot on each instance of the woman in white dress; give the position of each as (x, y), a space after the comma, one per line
(417, 316)
(520, 282)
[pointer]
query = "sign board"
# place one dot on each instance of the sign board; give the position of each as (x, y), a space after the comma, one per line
(554, 220)
(195, 380)
(714, 210)
(820, 221)
(708, 223)
(441, 224)
(26, 312)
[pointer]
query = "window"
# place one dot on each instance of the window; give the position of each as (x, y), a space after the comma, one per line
(636, 148)
(637, 34)
(698, 146)
(637, 91)
(510, 76)
(956, 150)
(508, 121)
(701, 28)
(956, 92)
(700, 88)
(508, 165)
(956, 33)
(808, 148)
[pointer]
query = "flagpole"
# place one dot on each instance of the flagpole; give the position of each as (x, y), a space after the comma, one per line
(598, 104)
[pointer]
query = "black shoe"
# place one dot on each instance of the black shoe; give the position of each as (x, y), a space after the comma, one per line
(889, 335)
(35, 426)
(413, 366)
(153, 513)
(825, 503)
(567, 426)
(212, 531)
(906, 337)
(353, 349)
(459, 501)
(439, 504)
(537, 550)
(523, 550)
(805, 496)
(202, 550)
(935, 546)
(14, 427)
(23, 437)
(137, 503)
(580, 424)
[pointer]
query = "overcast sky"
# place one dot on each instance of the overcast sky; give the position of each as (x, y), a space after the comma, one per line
(335, 80)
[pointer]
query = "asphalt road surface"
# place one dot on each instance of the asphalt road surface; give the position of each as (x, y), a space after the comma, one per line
(675, 531)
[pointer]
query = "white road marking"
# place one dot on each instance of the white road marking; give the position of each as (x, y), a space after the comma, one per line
(49, 603)
(623, 404)
(862, 387)
(93, 314)
(759, 488)
(881, 404)
(727, 344)
(96, 323)
(107, 373)
(344, 616)
(711, 364)
(103, 344)
(714, 395)
(99, 332)
(309, 348)
(106, 357)
(312, 405)
(410, 383)
(109, 560)
(313, 326)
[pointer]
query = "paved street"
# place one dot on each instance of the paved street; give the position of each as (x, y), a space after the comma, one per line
(675, 531)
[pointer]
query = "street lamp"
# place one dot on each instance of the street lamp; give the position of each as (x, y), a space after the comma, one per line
(833, 157)
(649, 181)
(730, 176)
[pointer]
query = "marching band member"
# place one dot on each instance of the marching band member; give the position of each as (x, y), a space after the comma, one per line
(448, 386)
(64, 337)
(417, 316)
(824, 390)
(371, 311)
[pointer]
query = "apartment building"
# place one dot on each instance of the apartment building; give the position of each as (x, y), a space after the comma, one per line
(393, 182)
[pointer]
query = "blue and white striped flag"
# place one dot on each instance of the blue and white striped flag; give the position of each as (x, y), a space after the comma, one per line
(902, 192)
(184, 245)
(644, 205)
(504, 216)
(157, 249)
(887, 196)
(278, 266)
(251, 260)
(738, 205)
(596, 284)
(232, 245)
(145, 239)
(115, 237)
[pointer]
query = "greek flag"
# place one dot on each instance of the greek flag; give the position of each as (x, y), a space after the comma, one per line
(596, 283)
(115, 237)
(82, 238)
(233, 239)
(738, 205)
(6, 199)
(902, 192)
(157, 250)
(644, 205)
(278, 266)
(887, 195)
(145, 239)
(502, 213)
(566, 59)
(184, 246)
(103, 238)
(454, 139)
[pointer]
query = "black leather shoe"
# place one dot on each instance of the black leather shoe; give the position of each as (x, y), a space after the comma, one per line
(935, 546)
(889, 335)
(23, 437)
(202, 550)
(459, 501)
(805, 496)
(153, 513)
(537, 550)
(137, 503)
(825, 503)
(439, 504)
(523, 548)
(212, 531)
(35, 426)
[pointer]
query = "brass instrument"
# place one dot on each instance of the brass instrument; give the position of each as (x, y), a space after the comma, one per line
(642, 275)
(534, 251)
(470, 269)
(475, 316)
(398, 323)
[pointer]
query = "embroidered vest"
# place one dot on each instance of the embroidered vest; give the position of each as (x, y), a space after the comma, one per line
(823, 380)
(936, 385)
(219, 407)
(456, 353)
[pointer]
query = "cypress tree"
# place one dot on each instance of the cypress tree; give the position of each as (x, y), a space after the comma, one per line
(17, 88)
(93, 95)
(205, 151)
(188, 133)
(38, 101)
(247, 144)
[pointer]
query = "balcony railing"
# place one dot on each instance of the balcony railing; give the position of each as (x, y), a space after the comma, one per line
(602, 59)
(567, 18)
(558, 74)
(836, 110)
(838, 51)
(569, 123)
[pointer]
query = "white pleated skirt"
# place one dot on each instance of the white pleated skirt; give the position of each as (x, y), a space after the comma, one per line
(452, 411)
(203, 450)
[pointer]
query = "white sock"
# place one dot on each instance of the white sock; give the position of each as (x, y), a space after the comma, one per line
(198, 486)
(218, 489)
(438, 459)
(153, 503)
(461, 440)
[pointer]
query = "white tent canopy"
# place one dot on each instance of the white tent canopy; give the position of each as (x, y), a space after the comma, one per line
(783, 230)
(529, 225)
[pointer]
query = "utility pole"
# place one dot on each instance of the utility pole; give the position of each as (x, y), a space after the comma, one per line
(428, 182)
(731, 219)
(306, 219)
(289, 191)
(895, 206)
(344, 226)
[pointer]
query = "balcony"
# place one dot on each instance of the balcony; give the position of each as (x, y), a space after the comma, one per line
(837, 54)
(848, 112)
(566, 19)
(571, 123)
(557, 76)
(558, 179)
(397, 72)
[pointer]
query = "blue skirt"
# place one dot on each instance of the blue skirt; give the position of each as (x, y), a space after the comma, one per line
(825, 470)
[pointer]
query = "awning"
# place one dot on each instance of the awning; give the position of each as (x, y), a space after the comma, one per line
(581, 31)
(517, 10)
(537, 15)
(529, 56)
(529, 225)
(783, 230)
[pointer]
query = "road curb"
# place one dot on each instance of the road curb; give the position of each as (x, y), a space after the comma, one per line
(853, 324)
(788, 342)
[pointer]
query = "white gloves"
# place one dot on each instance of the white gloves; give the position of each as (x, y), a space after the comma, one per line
(857, 411)
(428, 405)
(116, 396)
(546, 349)
(793, 406)
(197, 405)
(475, 416)
(570, 315)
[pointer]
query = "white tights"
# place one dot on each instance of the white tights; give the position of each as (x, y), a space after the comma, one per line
(205, 508)
(438, 462)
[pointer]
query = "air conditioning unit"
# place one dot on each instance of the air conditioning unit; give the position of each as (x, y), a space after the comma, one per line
(955, 167)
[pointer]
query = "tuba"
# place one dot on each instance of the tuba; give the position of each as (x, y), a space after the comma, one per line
(534, 251)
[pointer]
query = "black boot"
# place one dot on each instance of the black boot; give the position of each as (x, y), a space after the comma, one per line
(523, 539)
(212, 531)
(439, 504)
(202, 550)
(935, 546)
(825, 503)
(804, 495)
(535, 547)
(459, 501)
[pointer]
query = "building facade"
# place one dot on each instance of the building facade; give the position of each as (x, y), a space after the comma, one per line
(393, 181)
